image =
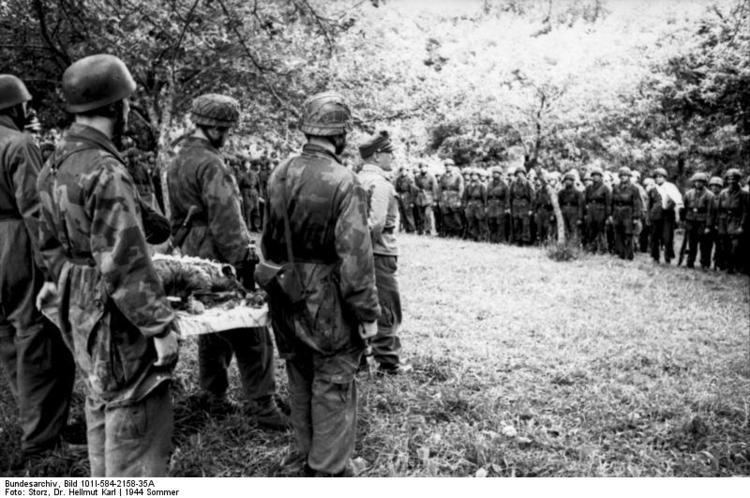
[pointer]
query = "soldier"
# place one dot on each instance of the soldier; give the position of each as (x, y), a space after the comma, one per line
(497, 206)
(731, 218)
(626, 213)
(451, 191)
(644, 240)
(544, 214)
(715, 185)
(571, 205)
(119, 323)
(521, 199)
(664, 205)
(249, 184)
(382, 220)
(407, 192)
(199, 177)
(475, 204)
(697, 214)
(39, 367)
(317, 229)
(598, 201)
(427, 189)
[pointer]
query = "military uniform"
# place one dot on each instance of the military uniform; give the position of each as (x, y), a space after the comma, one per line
(475, 205)
(327, 212)
(383, 216)
(571, 205)
(698, 220)
(626, 214)
(451, 187)
(199, 177)
(497, 208)
(731, 219)
(521, 199)
(598, 200)
(39, 367)
(249, 184)
(407, 192)
(95, 249)
(425, 200)
(544, 216)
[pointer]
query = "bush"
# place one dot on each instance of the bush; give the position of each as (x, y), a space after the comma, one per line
(563, 252)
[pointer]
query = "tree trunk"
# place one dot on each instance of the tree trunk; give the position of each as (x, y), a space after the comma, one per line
(163, 144)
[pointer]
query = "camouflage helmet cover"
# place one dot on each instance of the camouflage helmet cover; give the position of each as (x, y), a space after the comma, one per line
(96, 81)
(624, 171)
(213, 109)
(12, 91)
(325, 114)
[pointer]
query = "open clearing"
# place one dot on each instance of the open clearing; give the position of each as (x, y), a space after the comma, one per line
(525, 367)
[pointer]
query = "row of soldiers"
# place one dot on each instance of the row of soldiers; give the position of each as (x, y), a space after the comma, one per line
(604, 213)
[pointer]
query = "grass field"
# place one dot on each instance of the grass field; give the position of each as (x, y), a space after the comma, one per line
(523, 367)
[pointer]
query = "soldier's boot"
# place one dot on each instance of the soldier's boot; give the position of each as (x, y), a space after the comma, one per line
(266, 413)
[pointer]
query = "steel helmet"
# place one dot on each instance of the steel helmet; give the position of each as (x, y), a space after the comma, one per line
(519, 169)
(569, 176)
(96, 81)
(214, 109)
(596, 170)
(717, 181)
(325, 114)
(699, 177)
(734, 173)
(624, 171)
(660, 172)
(12, 91)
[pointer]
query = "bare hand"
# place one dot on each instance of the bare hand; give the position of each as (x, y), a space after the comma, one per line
(368, 330)
(46, 294)
(167, 349)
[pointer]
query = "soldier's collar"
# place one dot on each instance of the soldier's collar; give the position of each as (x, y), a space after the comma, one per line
(78, 131)
(7, 122)
(320, 147)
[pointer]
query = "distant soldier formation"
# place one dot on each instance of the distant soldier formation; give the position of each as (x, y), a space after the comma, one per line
(603, 212)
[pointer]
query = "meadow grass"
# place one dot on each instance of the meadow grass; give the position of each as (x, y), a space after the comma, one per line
(523, 366)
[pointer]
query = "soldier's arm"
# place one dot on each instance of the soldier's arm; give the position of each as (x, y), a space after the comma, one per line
(461, 186)
(26, 162)
(484, 195)
(608, 201)
(434, 186)
(119, 248)
(379, 201)
(638, 211)
(581, 205)
(224, 216)
(354, 248)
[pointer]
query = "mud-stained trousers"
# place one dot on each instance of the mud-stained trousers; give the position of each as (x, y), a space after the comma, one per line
(323, 400)
(386, 345)
(134, 440)
(253, 349)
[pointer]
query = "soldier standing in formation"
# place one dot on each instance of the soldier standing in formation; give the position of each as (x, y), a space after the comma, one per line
(94, 246)
(731, 219)
(38, 365)
(664, 205)
(249, 184)
(715, 185)
(427, 190)
(571, 205)
(198, 177)
(451, 191)
(475, 205)
(626, 214)
(382, 220)
(317, 229)
(497, 206)
(521, 197)
(407, 192)
(598, 202)
(698, 216)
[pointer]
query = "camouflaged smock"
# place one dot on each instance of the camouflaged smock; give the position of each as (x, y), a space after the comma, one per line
(427, 189)
(199, 177)
(327, 209)
(112, 302)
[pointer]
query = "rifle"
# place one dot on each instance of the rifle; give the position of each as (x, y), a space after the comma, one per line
(181, 234)
(683, 247)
